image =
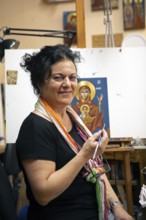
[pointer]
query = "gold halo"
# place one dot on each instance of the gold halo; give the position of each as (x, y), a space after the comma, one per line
(137, 1)
(86, 83)
(127, 2)
(70, 15)
(85, 105)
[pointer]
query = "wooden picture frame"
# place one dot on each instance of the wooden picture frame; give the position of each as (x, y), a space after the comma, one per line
(97, 5)
(57, 1)
(133, 14)
(98, 41)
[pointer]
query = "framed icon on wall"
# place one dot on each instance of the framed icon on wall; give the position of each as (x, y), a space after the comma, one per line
(133, 14)
(99, 4)
(70, 23)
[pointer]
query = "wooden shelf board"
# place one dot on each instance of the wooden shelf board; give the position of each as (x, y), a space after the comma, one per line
(122, 182)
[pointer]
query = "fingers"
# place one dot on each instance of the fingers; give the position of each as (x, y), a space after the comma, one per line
(96, 135)
(105, 138)
(101, 142)
(95, 145)
(101, 136)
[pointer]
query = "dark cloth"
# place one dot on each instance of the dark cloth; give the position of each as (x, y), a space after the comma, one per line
(7, 198)
(39, 139)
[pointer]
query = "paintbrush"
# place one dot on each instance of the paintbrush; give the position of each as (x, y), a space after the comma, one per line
(98, 142)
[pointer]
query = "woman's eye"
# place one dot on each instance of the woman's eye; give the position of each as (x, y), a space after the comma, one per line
(73, 78)
(58, 78)
(61, 78)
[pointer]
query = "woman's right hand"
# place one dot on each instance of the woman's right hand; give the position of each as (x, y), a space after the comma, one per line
(89, 146)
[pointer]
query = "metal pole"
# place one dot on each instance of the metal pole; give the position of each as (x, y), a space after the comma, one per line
(109, 37)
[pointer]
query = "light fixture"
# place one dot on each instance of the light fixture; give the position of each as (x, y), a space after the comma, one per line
(7, 44)
(11, 43)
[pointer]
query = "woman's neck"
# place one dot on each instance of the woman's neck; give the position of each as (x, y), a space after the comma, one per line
(66, 120)
(60, 109)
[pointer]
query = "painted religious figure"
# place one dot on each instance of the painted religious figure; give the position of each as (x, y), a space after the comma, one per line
(128, 15)
(90, 103)
(70, 23)
(133, 14)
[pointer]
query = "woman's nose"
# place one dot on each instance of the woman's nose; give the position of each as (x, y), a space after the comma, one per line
(66, 80)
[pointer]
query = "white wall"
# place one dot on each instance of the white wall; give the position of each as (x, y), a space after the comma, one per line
(126, 78)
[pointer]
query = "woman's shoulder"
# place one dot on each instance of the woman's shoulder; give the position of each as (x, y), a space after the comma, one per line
(34, 118)
(35, 126)
(35, 122)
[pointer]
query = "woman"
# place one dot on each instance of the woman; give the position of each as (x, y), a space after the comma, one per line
(55, 149)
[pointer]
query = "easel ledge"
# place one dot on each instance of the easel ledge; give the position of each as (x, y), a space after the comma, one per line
(119, 142)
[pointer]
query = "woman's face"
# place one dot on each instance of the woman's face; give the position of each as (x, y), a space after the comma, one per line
(59, 89)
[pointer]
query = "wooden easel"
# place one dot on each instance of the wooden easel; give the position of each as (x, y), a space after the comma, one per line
(81, 36)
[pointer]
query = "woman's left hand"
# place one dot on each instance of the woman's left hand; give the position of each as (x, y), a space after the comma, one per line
(121, 214)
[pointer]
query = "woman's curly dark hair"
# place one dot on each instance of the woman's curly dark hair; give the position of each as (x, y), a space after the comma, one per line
(40, 64)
